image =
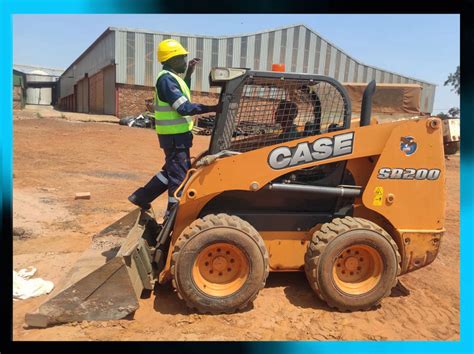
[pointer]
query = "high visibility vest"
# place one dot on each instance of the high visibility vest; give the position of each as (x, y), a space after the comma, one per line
(167, 119)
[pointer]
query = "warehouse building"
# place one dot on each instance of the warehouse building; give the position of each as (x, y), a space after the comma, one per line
(117, 72)
(39, 85)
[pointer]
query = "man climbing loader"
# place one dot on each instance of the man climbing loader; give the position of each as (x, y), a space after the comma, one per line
(352, 206)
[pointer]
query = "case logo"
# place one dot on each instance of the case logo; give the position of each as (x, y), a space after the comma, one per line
(303, 153)
(408, 145)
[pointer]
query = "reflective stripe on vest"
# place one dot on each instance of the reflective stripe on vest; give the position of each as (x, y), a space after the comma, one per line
(167, 119)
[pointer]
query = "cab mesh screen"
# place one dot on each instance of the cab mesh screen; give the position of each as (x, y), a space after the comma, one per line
(268, 111)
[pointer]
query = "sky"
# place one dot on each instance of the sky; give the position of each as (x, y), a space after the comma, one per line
(425, 47)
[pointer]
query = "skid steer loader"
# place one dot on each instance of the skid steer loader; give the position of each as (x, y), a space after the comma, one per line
(299, 189)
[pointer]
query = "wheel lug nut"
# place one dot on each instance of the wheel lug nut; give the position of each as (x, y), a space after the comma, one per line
(228, 269)
(207, 263)
(227, 252)
(211, 271)
(232, 260)
(338, 265)
(220, 274)
(210, 254)
(351, 273)
(359, 268)
(218, 250)
(361, 259)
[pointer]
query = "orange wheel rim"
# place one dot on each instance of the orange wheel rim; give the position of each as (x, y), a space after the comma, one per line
(358, 269)
(220, 269)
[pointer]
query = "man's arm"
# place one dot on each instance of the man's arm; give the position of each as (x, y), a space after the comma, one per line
(169, 91)
(190, 69)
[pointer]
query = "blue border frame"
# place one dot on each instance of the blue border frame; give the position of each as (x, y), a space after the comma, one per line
(12, 7)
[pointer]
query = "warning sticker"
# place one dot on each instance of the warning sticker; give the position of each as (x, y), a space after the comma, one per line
(378, 196)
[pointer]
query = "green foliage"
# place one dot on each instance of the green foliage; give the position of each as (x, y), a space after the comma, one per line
(454, 112)
(442, 115)
(454, 80)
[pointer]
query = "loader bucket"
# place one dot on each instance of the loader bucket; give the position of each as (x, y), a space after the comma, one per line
(109, 277)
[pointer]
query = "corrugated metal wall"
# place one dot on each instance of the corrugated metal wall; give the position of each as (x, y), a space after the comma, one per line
(299, 48)
(98, 57)
(39, 95)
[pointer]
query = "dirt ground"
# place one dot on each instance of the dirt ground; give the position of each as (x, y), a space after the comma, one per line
(54, 158)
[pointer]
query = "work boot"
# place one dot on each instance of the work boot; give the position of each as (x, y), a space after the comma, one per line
(143, 196)
(134, 200)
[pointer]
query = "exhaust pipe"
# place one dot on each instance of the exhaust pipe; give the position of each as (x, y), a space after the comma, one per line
(365, 110)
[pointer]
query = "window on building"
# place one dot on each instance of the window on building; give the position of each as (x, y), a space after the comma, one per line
(346, 70)
(283, 46)
(294, 51)
(371, 74)
(184, 42)
(199, 54)
(390, 78)
(258, 44)
(307, 40)
(338, 64)
(328, 60)
(317, 54)
(215, 52)
(229, 52)
(271, 44)
(356, 72)
(382, 76)
(149, 58)
(130, 58)
(243, 52)
(166, 36)
(364, 75)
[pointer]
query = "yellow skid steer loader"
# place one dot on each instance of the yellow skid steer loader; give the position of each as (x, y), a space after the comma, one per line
(287, 184)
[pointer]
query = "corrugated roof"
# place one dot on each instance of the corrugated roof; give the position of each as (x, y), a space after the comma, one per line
(137, 30)
(31, 69)
(126, 29)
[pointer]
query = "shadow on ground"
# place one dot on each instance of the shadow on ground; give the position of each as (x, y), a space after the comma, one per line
(296, 289)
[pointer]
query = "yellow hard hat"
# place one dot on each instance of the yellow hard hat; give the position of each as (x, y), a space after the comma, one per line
(170, 48)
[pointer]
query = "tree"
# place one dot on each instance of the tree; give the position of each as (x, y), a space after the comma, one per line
(454, 80)
(442, 115)
(454, 112)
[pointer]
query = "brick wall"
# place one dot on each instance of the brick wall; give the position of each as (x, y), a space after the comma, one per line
(17, 97)
(132, 99)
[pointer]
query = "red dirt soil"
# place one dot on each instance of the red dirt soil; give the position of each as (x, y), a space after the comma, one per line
(54, 159)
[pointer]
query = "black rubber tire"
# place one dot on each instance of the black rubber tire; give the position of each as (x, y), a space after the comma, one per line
(326, 245)
(451, 148)
(207, 231)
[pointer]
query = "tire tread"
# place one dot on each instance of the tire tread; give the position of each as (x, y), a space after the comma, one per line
(328, 232)
(208, 222)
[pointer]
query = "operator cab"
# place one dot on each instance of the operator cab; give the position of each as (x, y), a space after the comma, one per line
(265, 108)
